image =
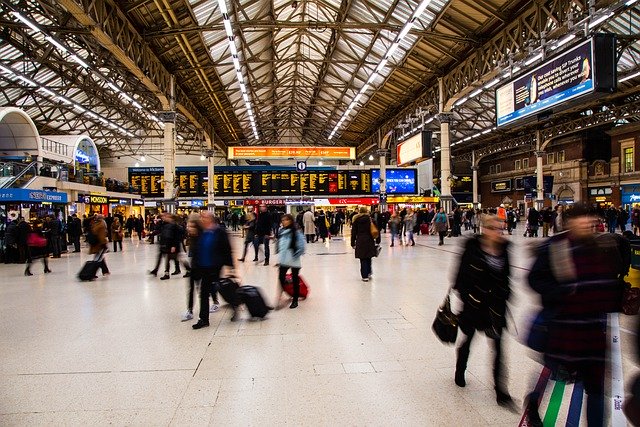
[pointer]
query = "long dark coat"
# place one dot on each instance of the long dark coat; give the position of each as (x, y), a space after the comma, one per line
(361, 237)
(483, 289)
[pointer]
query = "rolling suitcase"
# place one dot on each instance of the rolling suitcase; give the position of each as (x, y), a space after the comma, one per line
(252, 298)
(228, 288)
(424, 229)
(89, 270)
(288, 286)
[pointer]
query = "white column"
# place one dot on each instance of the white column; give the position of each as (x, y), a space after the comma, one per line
(382, 153)
(446, 200)
(169, 163)
(474, 169)
(210, 172)
(539, 173)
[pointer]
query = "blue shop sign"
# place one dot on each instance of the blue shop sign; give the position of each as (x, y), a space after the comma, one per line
(33, 196)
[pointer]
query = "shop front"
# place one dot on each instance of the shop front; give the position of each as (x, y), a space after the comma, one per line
(31, 204)
(600, 196)
(630, 196)
(187, 207)
(120, 206)
(94, 204)
(137, 207)
(397, 203)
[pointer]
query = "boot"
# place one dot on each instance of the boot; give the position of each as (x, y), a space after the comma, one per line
(533, 417)
(504, 399)
(27, 272)
(459, 378)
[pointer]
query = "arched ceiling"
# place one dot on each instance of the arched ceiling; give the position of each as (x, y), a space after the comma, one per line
(292, 72)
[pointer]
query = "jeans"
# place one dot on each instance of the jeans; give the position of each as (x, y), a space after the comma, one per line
(410, 238)
(295, 278)
(259, 240)
(365, 267)
(394, 234)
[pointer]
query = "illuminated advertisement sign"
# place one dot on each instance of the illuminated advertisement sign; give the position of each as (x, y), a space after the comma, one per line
(34, 196)
(399, 181)
(582, 70)
(500, 186)
(262, 152)
(415, 149)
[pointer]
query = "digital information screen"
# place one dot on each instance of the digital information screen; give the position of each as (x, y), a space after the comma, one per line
(194, 182)
(558, 80)
(150, 181)
(399, 181)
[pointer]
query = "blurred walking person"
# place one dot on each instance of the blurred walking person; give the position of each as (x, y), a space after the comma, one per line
(409, 224)
(97, 238)
(169, 235)
(308, 220)
(578, 275)
(249, 232)
(483, 285)
(291, 246)
(441, 225)
(394, 228)
(263, 233)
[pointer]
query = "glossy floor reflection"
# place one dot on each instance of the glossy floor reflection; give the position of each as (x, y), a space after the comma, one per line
(114, 351)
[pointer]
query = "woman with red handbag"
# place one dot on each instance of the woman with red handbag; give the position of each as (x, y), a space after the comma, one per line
(36, 247)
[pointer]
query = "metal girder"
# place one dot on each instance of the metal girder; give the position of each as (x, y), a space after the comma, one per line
(630, 109)
(111, 28)
(345, 27)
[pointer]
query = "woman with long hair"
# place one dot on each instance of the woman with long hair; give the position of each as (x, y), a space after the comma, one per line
(291, 246)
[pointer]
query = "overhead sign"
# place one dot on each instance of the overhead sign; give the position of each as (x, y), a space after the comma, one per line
(265, 152)
(501, 186)
(572, 74)
(412, 199)
(301, 166)
(91, 199)
(33, 196)
(415, 149)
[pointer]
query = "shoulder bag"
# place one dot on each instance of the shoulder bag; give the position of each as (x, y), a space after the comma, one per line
(445, 325)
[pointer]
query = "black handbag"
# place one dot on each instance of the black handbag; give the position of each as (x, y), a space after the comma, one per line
(445, 325)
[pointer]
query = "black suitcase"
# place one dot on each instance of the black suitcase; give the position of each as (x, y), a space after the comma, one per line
(89, 270)
(252, 298)
(228, 287)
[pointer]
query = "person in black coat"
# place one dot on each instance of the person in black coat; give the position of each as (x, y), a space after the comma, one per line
(263, 233)
(138, 225)
(74, 229)
(169, 245)
(483, 285)
(364, 242)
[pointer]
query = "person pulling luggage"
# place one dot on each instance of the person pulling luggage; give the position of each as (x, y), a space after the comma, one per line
(211, 252)
(291, 247)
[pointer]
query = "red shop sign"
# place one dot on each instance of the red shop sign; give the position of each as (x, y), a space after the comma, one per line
(354, 201)
(258, 202)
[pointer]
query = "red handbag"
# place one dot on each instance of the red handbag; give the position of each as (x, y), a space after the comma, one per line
(35, 240)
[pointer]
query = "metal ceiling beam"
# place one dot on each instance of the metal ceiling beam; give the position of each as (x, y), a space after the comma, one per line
(111, 28)
(346, 27)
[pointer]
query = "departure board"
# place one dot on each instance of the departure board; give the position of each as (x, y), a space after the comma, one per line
(194, 182)
(150, 181)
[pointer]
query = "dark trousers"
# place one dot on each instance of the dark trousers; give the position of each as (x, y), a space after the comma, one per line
(441, 234)
(117, 243)
(76, 242)
(167, 265)
(365, 267)
(295, 278)
(259, 240)
(190, 292)
(246, 248)
(209, 278)
(55, 245)
(103, 263)
(310, 237)
(498, 367)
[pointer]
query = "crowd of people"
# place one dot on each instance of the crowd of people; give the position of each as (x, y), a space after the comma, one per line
(578, 271)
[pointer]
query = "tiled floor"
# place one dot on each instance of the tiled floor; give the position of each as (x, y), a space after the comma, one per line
(114, 351)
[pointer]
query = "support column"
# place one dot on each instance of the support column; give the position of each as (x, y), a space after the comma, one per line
(382, 153)
(168, 117)
(445, 116)
(539, 172)
(211, 160)
(474, 169)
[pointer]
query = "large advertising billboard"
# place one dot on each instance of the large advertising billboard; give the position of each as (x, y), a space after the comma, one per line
(415, 149)
(567, 76)
(399, 181)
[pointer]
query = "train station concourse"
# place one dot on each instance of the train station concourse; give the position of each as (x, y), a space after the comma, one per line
(115, 351)
(148, 148)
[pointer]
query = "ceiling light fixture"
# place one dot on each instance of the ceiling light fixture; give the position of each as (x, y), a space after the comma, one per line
(629, 77)
(533, 59)
(143, 158)
(236, 64)
(370, 156)
(600, 20)
(137, 164)
(29, 24)
(361, 163)
(202, 157)
(320, 163)
(394, 46)
(563, 41)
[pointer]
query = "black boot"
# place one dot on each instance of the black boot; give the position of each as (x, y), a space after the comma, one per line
(459, 378)
(504, 399)
(533, 417)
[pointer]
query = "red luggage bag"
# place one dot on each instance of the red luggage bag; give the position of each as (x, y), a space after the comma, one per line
(424, 229)
(288, 286)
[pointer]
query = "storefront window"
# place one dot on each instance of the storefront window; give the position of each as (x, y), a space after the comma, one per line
(628, 160)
